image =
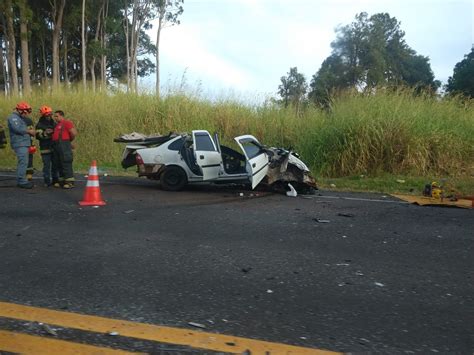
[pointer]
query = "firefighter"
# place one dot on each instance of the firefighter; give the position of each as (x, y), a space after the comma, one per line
(31, 149)
(44, 133)
(64, 133)
(20, 141)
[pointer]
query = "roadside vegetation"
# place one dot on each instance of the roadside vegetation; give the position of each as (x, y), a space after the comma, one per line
(362, 141)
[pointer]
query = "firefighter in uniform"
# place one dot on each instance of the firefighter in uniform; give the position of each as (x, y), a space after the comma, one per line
(44, 133)
(64, 133)
(20, 141)
(31, 149)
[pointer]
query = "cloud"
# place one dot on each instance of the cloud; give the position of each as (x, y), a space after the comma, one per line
(184, 47)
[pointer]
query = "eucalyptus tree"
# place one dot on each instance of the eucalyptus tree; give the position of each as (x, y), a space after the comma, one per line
(168, 12)
(25, 20)
(11, 46)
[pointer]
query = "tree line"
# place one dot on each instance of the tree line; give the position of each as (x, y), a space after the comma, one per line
(367, 55)
(48, 42)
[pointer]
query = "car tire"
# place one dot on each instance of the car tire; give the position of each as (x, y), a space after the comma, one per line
(173, 178)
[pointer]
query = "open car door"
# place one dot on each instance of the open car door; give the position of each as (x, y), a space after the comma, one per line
(257, 159)
(207, 156)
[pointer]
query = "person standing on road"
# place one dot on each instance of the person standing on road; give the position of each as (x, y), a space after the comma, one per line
(20, 141)
(44, 133)
(31, 150)
(64, 133)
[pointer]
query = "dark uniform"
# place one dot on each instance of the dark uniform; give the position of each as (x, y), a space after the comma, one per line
(44, 133)
(62, 152)
(30, 170)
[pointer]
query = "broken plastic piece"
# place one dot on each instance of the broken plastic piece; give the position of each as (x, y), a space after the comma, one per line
(292, 192)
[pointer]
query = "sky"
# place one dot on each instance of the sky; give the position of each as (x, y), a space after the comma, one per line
(241, 48)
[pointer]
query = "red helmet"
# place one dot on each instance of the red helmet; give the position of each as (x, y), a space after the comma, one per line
(45, 110)
(23, 106)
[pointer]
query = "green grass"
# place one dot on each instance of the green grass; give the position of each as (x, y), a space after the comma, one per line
(383, 135)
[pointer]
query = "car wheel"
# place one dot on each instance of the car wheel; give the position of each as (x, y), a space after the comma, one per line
(173, 179)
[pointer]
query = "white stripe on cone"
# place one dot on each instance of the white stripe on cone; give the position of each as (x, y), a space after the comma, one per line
(93, 170)
(92, 183)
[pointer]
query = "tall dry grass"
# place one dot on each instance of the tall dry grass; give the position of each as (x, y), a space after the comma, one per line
(394, 132)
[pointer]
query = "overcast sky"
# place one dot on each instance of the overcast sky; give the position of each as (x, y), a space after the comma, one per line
(243, 47)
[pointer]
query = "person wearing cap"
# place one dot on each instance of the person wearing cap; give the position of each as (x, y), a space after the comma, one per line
(64, 133)
(44, 133)
(20, 141)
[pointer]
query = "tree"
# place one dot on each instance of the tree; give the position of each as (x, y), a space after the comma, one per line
(462, 80)
(293, 89)
(168, 12)
(83, 46)
(11, 48)
(369, 53)
(25, 18)
(329, 79)
(57, 8)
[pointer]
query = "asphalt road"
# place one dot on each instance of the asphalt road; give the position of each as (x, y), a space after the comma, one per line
(337, 271)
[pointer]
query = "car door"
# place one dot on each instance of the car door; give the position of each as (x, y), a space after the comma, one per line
(257, 159)
(207, 156)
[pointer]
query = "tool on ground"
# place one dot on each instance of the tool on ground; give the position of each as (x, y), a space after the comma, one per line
(92, 195)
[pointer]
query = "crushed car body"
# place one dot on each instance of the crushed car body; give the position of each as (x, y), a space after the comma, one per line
(178, 159)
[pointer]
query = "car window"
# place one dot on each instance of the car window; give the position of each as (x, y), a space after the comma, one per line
(251, 148)
(204, 143)
(176, 145)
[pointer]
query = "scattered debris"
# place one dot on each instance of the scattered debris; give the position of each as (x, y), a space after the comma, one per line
(358, 273)
(241, 194)
(128, 211)
(343, 264)
(292, 192)
(105, 174)
(344, 236)
(321, 220)
(432, 201)
(400, 181)
(113, 333)
(246, 269)
(379, 284)
(345, 214)
(197, 325)
(303, 338)
(269, 291)
(332, 185)
(230, 343)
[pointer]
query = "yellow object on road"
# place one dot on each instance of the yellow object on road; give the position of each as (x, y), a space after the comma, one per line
(438, 201)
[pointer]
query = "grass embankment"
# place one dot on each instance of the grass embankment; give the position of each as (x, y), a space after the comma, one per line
(384, 137)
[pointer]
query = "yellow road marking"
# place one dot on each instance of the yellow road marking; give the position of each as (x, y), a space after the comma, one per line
(200, 340)
(28, 344)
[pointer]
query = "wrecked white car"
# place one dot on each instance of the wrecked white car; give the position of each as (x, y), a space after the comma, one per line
(180, 159)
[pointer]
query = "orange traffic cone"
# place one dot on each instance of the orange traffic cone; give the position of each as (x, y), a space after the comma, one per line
(92, 196)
